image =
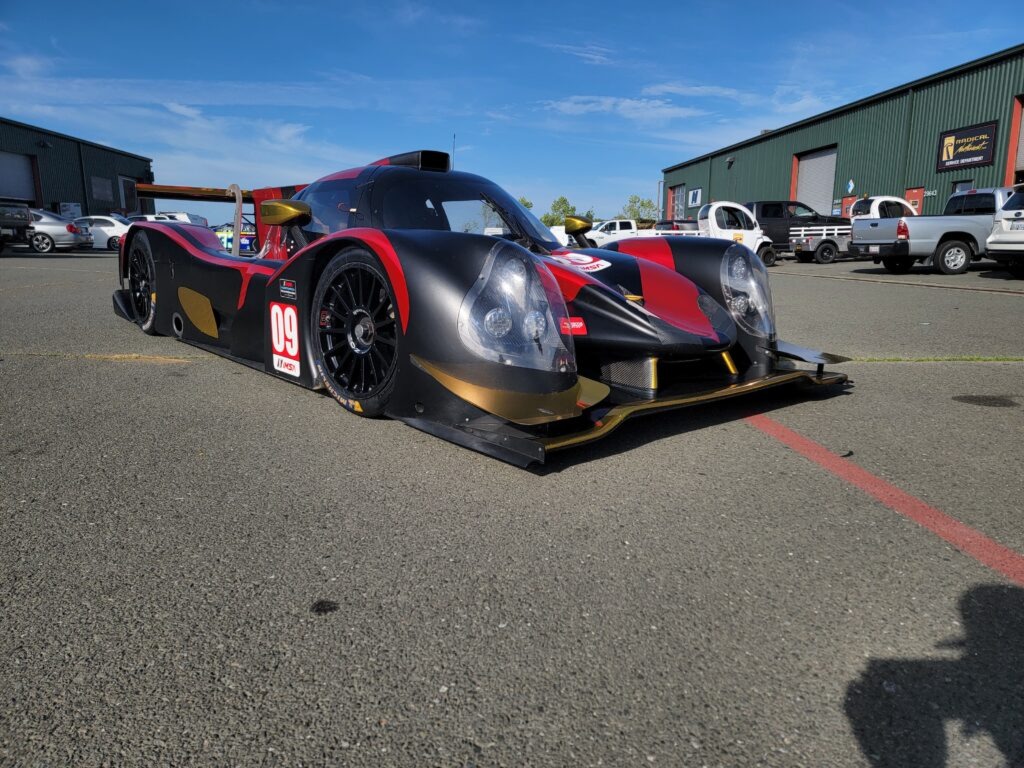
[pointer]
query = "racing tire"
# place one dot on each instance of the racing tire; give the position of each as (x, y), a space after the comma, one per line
(142, 283)
(805, 258)
(953, 257)
(1016, 269)
(355, 333)
(113, 243)
(826, 253)
(898, 266)
(42, 243)
(768, 256)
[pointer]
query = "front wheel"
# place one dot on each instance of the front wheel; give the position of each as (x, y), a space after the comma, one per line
(41, 242)
(768, 256)
(898, 266)
(826, 253)
(953, 257)
(142, 283)
(354, 330)
(112, 243)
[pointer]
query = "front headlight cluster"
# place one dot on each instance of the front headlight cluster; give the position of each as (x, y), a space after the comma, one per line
(514, 313)
(745, 288)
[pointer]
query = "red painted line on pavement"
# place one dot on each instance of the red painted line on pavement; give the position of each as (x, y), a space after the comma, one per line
(963, 537)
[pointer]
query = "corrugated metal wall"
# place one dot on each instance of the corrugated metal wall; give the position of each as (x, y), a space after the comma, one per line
(61, 161)
(885, 147)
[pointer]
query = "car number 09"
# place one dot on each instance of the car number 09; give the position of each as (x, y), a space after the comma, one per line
(284, 330)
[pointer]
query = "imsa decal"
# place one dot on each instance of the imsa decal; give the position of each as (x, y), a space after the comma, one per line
(582, 261)
(284, 338)
(288, 289)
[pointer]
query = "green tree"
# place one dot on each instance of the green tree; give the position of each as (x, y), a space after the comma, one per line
(525, 203)
(560, 208)
(639, 208)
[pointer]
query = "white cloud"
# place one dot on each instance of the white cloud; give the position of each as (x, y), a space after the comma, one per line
(700, 91)
(183, 110)
(637, 110)
(590, 53)
(26, 66)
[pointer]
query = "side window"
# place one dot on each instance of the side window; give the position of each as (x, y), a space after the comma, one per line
(722, 219)
(330, 203)
(702, 214)
(977, 205)
(863, 207)
(771, 211)
(36, 217)
(954, 206)
(745, 221)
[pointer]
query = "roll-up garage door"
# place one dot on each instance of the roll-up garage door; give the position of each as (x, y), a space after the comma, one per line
(16, 179)
(816, 180)
(1020, 150)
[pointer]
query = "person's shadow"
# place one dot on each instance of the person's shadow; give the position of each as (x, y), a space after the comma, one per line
(897, 708)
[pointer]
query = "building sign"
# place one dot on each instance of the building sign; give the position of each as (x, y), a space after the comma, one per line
(693, 198)
(967, 147)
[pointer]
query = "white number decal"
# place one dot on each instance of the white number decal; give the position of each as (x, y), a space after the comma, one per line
(284, 329)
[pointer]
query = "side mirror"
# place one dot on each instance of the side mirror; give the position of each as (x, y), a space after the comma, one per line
(577, 225)
(285, 213)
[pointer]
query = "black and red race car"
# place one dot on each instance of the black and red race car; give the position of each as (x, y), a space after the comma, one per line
(431, 296)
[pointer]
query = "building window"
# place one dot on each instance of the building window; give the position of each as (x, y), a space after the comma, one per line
(679, 202)
(963, 186)
(102, 189)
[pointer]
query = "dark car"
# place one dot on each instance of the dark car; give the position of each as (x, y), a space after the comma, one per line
(777, 216)
(380, 285)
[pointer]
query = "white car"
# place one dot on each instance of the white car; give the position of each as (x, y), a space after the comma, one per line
(1006, 243)
(881, 207)
(186, 218)
(107, 231)
(150, 217)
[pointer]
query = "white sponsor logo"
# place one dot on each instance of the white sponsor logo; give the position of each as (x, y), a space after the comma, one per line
(582, 261)
(286, 365)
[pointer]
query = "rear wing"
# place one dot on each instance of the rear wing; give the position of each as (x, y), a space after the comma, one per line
(232, 194)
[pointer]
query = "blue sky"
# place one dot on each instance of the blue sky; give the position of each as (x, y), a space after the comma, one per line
(587, 100)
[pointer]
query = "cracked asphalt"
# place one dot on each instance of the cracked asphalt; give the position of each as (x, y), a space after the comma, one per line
(203, 565)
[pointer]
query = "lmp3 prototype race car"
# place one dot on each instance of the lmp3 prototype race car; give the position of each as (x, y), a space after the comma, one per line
(432, 296)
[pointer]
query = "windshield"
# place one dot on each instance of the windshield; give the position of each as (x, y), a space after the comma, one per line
(801, 212)
(1016, 201)
(457, 204)
(862, 207)
(120, 218)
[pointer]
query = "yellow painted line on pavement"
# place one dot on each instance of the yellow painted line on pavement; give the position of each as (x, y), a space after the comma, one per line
(110, 358)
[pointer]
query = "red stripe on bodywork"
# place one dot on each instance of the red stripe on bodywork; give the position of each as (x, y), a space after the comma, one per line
(350, 173)
(246, 268)
(963, 537)
(656, 249)
(673, 298)
(570, 280)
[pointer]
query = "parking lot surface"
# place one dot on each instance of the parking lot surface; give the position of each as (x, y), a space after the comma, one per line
(204, 565)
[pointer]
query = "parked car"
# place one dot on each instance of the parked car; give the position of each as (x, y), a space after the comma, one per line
(1005, 244)
(881, 207)
(106, 230)
(731, 221)
(15, 220)
(676, 225)
(187, 218)
(149, 217)
(50, 231)
(778, 217)
(612, 230)
(947, 242)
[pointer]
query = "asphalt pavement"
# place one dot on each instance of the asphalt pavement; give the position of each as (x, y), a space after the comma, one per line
(201, 564)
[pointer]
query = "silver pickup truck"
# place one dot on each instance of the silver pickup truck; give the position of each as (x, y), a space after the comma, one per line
(947, 242)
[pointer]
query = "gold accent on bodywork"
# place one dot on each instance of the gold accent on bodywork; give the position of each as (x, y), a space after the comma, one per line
(199, 311)
(519, 407)
(619, 413)
(636, 298)
(280, 213)
(577, 225)
(727, 359)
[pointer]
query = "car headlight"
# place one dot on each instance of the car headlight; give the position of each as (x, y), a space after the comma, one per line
(745, 289)
(514, 313)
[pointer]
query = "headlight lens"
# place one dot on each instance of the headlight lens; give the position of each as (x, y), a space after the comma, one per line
(513, 315)
(746, 291)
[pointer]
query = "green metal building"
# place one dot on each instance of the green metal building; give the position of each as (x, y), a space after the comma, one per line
(50, 170)
(958, 129)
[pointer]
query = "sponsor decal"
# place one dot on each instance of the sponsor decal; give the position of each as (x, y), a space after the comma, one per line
(325, 318)
(582, 261)
(573, 326)
(284, 338)
(967, 147)
(288, 289)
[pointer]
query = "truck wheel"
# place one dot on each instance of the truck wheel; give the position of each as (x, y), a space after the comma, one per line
(953, 257)
(898, 266)
(826, 253)
(768, 256)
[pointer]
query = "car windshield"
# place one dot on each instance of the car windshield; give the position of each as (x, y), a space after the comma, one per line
(458, 204)
(862, 207)
(119, 218)
(1016, 201)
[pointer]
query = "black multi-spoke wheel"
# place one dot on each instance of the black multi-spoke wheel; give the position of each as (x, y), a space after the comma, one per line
(142, 283)
(355, 332)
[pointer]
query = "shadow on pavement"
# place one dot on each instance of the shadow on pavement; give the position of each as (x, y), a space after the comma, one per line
(650, 428)
(898, 707)
(28, 253)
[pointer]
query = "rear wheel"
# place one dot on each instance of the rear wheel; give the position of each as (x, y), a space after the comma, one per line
(112, 243)
(142, 283)
(953, 257)
(898, 266)
(826, 253)
(355, 332)
(41, 242)
(768, 256)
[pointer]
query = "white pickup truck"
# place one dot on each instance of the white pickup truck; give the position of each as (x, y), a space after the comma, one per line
(948, 242)
(612, 230)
